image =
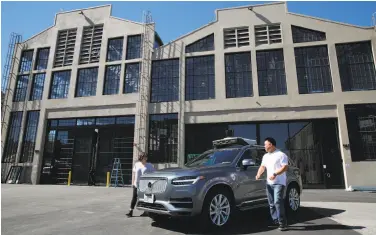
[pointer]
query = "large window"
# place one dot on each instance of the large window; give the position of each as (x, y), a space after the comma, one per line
(238, 75)
(112, 80)
(271, 72)
(163, 138)
(204, 44)
(356, 66)
(132, 77)
(60, 84)
(313, 70)
(361, 125)
(134, 45)
(11, 145)
(115, 49)
(26, 61)
(66, 41)
(165, 80)
(91, 44)
(200, 78)
(300, 34)
(87, 82)
(21, 88)
(42, 58)
(30, 135)
(37, 87)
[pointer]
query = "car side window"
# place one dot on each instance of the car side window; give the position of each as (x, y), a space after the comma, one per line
(246, 155)
(256, 155)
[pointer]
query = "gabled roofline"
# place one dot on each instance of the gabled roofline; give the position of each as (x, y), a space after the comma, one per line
(82, 9)
(38, 34)
(247, 6)
(330, 21)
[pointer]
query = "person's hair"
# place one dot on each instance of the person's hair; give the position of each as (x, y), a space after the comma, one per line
(271, 140)
(142, 156)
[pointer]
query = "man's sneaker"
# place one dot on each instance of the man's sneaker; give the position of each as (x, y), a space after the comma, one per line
(274, 223)
(282, 227)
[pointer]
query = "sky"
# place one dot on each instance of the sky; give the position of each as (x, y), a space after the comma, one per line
(172, 19)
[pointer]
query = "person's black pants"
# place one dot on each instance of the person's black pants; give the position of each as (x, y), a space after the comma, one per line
(134, 197)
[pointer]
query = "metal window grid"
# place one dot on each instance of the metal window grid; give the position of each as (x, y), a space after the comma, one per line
(200, 78)
(91, 44)
(30, 137)
(313, 70)
(112, 80)
(132, 77)
(66, 41)
(26, 61)
(165, 81)
(60, 84)
(10, 149)
(87, 82)
(42, 58)
(21, 88)
(163, 138)
(236, 37)
(300, 34)
(268, 34)
(271, 72)
(356, 66)
(115, 49)
(238, 75)
(203, 44)
(37, 86)
(134, 47)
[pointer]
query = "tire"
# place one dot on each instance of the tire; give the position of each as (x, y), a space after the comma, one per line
(292, 200)
(213, 215)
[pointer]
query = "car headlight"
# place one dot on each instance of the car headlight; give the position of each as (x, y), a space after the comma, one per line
(186, 180)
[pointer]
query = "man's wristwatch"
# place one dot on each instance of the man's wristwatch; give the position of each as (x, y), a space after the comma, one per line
(275, 175)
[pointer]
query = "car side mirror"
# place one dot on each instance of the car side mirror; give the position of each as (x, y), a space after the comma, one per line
(248, 162)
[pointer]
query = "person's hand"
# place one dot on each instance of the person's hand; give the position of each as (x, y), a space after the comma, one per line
(257, 177)
(272, 177)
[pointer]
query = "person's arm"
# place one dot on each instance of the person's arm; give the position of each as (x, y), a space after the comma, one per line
(134, 174)
(261, 169)
(284, 164)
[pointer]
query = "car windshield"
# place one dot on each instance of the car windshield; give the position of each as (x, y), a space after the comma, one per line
(216, 157)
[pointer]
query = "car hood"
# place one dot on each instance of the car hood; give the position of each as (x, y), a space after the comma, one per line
(185, 171)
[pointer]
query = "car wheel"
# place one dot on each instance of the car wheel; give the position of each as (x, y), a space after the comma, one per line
(292, 199)
(218, 209)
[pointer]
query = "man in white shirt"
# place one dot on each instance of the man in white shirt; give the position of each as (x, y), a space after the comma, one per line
(276, 164)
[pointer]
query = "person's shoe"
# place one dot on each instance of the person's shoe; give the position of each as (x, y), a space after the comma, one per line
(274, 223)
(282, 227)
(129, 214)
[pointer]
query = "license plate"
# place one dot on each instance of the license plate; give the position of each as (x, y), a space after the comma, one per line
(149, 198)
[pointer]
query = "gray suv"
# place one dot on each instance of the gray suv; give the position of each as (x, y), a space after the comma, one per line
(214, 185)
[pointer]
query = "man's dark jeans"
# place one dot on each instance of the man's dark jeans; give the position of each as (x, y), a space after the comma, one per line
(276, 202)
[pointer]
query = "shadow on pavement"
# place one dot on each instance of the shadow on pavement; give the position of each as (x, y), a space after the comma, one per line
(258, 220)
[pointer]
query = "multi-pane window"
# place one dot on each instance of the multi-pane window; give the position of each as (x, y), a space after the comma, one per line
(313, 70)
(21, 88)
(11, 145)
(204, 44)
(200, 78)
(271, 72)
(132, 77)
(236, 37)
(66, 41)
(37, 86)
(300, 34)
(42, 58)
(361, 124)
(87, 82)
(238, 75)
(91, 44)
(112, 80)
(134, 47)
(268, 34)
(115, 49)
(165, 81)
(163, 138)
(356, 66)
(26, 61)
(60, 84)
(27, 154)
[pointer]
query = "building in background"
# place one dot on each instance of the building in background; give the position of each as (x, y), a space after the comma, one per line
(93, 85)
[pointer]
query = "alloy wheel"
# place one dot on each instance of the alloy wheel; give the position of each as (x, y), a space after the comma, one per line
(220, 210)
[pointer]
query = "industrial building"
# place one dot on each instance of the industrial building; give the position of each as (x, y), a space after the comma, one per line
(82, 92)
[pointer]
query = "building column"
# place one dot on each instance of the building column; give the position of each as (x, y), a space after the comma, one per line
(39, 147)
(333, 61)
(344, 141)
(181, 114)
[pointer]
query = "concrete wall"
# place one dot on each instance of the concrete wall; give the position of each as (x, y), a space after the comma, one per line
(256, 108)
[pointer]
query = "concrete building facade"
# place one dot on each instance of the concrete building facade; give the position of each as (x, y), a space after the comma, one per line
(264, 66)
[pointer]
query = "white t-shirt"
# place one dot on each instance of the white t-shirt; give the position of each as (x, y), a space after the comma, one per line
(140, 169)
(273, 162)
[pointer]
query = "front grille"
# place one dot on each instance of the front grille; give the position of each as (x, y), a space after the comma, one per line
(151, 206)
(158, 185)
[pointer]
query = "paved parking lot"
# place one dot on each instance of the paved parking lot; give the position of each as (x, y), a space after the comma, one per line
(42, 209)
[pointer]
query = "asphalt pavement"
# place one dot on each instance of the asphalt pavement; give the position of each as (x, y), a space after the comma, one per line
(53, 210)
